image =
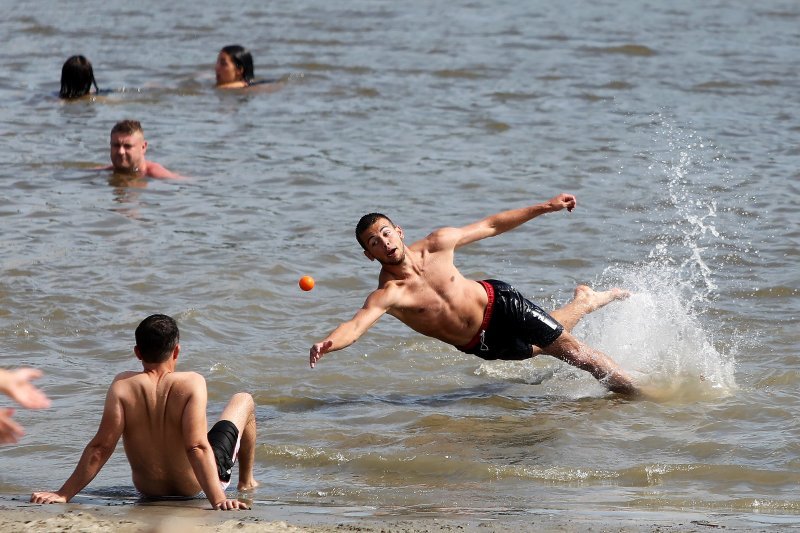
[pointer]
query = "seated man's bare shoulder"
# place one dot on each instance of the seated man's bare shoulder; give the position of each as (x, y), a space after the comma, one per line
(192, 379)
(187, 401)
(123, 383)
(125, 375)
(188, 383)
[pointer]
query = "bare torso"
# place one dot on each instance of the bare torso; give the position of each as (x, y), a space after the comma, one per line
(433, 298)
(153, 438)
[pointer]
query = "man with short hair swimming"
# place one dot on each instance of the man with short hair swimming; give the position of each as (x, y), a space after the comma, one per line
(128, 149)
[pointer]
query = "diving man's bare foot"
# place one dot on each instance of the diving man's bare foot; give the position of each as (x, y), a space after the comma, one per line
(593, 300)
(584, 302)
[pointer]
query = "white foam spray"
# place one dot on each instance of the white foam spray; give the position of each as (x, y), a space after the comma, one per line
(660, 337)
(662, 334)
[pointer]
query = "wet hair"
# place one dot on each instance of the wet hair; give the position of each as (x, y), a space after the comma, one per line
(366, 221)
(156, 337)
(127, 127)
(77, 78)
(242, 59)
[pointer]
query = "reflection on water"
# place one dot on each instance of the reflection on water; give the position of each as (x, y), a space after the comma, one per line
(126, 192)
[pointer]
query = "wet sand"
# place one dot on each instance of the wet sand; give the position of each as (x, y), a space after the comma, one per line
(18, 515)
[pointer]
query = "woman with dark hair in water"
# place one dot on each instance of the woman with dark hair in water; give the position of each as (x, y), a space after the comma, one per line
(234, 68)
(77, 78)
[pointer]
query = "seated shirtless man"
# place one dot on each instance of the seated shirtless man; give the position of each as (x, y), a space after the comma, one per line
(420, 286)
(161, 416)
(128, 149)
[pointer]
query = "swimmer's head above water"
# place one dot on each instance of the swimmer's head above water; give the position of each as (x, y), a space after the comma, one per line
(77, 78)
(234, 67)
(128, 146)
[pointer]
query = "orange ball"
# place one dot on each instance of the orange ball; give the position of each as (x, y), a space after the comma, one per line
(306, 283)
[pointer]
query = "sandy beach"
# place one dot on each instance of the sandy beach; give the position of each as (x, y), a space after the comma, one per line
(18, 515)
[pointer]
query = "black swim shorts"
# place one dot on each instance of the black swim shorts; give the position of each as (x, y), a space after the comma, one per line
(511, 325)
(224, 438)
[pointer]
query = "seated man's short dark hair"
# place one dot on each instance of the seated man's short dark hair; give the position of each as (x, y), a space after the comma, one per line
(156, 338)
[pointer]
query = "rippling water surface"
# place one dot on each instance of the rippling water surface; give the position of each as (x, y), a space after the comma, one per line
(675, 124)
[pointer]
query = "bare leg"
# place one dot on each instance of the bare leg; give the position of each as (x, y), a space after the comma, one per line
(572, 351)
(584, 302)
(241, 411)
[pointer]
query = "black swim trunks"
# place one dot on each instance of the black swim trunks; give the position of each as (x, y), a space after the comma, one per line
(511, 324)
(224, 440)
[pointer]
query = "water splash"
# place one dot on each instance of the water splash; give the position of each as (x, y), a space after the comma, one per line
(660, 337)
(686, 168)
(661, 333)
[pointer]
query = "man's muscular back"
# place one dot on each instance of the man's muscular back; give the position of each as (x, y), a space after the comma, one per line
(154, 407)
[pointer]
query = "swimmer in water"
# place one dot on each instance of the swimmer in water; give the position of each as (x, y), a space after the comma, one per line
(234, 70)
(77, 78)
(128, 148)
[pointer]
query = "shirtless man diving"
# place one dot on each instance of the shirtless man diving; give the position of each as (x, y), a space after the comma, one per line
(128, 149)
(161, 416)
(420, 286)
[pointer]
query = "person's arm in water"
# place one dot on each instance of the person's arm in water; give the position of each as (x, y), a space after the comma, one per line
(376, 305)
(501, 222)
(198, 449)
(95, 454)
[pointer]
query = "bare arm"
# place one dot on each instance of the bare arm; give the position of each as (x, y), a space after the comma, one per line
(376, 305)
(94, 455)
(508, 220)
(198, 449)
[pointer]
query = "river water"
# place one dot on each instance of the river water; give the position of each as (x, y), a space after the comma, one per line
(675, 124)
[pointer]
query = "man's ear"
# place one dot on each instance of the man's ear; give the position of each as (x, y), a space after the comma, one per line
(176, 351)
(144, 146)
(137, 352)
(399, 231)
(369, 256)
